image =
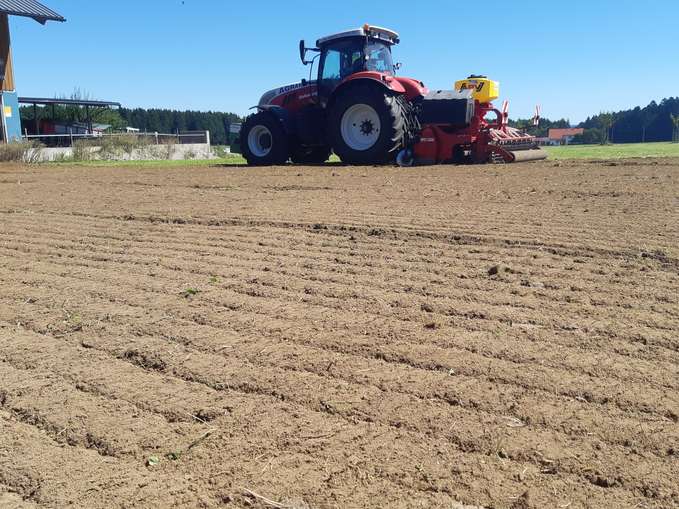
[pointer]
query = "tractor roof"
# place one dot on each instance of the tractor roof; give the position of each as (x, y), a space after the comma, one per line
(383, 34)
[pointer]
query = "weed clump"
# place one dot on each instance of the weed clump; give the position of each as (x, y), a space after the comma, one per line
(189, 292)
(20, 152)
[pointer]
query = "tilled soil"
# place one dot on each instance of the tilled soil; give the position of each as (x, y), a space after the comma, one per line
(498, 336)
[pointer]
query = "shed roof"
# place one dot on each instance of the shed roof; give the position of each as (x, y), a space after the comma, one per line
(67, 102)
(29, 9)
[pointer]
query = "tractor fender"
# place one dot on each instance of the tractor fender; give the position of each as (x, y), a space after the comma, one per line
(385, 80)
(374, 78)
(413, 88)
(281, 114)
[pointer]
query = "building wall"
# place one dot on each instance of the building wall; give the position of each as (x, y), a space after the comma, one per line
(9, 100)
(11, 116)
(6, 66)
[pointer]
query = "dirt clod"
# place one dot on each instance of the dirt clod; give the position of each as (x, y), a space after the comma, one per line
(496, 270)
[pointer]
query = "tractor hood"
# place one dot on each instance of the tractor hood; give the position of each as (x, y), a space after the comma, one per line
(270, 96)
(410, 87)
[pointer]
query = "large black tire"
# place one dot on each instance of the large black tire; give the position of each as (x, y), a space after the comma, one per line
(389, 139)
(264, 142)
(310, 155)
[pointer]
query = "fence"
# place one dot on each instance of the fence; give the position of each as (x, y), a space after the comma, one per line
(121, 146)
(68, 140)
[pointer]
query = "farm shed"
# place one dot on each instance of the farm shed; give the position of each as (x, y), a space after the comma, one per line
(564, 136)
(11, 119)
(51, 126)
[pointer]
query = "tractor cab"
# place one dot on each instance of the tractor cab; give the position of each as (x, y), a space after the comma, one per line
(367, 49)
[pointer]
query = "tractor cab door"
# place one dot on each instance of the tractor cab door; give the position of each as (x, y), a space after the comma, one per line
(339, 60)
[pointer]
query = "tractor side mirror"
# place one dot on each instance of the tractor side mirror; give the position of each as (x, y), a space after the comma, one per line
(302, 51)
(397, 66)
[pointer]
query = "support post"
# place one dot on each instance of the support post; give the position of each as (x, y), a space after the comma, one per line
(89, 118)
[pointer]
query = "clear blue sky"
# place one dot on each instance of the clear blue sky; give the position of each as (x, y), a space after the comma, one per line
(574, 57)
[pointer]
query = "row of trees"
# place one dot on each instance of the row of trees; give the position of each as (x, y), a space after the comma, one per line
(171, 121)
(655, 122)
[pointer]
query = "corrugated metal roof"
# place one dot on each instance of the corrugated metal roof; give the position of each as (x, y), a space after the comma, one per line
(29, 9)
(74, 102)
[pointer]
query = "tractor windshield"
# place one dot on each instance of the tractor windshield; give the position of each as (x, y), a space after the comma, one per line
(378, 57)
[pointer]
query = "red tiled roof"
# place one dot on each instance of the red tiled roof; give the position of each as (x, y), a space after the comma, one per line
(558, 134)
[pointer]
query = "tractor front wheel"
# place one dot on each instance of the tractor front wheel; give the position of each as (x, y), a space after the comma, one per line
(366, 125)
(264, 141)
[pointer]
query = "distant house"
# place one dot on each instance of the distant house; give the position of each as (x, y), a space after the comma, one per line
(563, 136)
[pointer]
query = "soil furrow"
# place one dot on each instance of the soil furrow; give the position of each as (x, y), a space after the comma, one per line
(152, 358)
(482, 345)
(340, 336)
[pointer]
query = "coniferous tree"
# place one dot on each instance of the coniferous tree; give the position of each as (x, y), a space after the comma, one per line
(675, 125)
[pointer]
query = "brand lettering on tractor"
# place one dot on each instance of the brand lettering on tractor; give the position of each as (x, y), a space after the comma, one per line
(288, 88)
(473, 84)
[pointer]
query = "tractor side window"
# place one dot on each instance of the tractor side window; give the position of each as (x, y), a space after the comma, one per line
(331, 66)
(340, 61)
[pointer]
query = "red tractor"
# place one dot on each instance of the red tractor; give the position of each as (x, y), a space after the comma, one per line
(360, 110)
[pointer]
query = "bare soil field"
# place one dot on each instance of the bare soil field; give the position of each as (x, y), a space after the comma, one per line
(497, 336)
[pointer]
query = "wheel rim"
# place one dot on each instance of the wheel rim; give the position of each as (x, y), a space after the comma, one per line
(259, 140)
(360, 127)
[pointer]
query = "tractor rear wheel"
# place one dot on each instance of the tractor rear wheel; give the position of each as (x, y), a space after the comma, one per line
(310, 155)
(366, 125)
(264, 141)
